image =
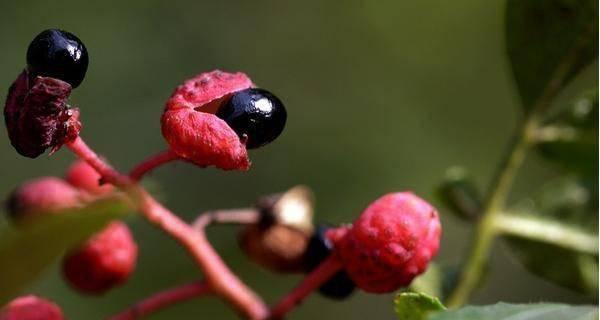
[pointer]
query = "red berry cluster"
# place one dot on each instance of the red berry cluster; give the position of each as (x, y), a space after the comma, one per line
(104, 261)
(209, 120)
(390, 244)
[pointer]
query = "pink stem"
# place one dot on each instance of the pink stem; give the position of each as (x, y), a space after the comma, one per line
(163, 299)
(218, 276)
(152, 163)
(315, 279)
(110, 175)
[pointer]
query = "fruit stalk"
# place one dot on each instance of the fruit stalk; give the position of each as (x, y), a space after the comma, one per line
(313, 281)
(242, 216)
(152, 163)
(163, 299)
(218, 276)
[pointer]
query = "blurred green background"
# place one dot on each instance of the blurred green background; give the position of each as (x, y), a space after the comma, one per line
(381, 96)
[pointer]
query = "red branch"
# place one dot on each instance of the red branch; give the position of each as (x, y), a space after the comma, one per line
(152, 163)
(315, 279)
(163, 299)
(218, 276)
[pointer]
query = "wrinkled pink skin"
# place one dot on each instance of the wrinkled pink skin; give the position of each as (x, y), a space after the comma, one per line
(31, 308)
(103, 262)
(194, 132)
(81, 175)
(37, 115)
(42, 196)
(391, 242)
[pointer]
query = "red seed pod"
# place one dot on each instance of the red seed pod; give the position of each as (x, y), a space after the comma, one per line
(193, 131)
(37, 115)
(81, 175)
(103, 262)
(41, 196)
(391, 242)
(31, 308)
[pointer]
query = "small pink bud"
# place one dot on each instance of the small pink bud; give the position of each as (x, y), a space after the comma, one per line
(103, 262)
(31, 308)
(42, 196)
(81, 175)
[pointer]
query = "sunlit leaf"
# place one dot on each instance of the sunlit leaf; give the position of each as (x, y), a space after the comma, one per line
(545, 36)
(416, 306)
(505, 311)
(26, 251)
(429, 282)
(571, 207)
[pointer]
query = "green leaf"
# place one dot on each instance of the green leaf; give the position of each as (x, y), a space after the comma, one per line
(26, 251)
(429, 282)
(563, 247)
(571, 137)
(578, 154)
(416, 306)
(543, 37)
(505, 311)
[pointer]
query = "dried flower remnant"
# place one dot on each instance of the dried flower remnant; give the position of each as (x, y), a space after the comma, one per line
(37, 117)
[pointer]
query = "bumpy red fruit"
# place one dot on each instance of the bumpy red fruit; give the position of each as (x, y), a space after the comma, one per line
(391, 242)
(192, 129)
(105, 261)
(42, 196)
(81, 175)
(31, 308)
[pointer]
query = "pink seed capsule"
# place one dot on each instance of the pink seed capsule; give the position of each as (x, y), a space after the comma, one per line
(391, 242)
(192, 129)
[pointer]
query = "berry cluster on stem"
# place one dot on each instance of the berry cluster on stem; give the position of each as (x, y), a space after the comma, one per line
(209, 120)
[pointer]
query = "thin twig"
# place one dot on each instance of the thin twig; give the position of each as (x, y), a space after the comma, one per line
(219, 277)
(312, 281)
(152, 163)
(242, 216)
(163, 299)
(547, 231)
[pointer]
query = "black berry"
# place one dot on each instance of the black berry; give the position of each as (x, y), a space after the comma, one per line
(256, 114)
(58, 54)
(340, 286)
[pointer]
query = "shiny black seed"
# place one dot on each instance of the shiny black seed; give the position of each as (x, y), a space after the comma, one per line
(57, 54)
(255, 114)
(339, 286)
